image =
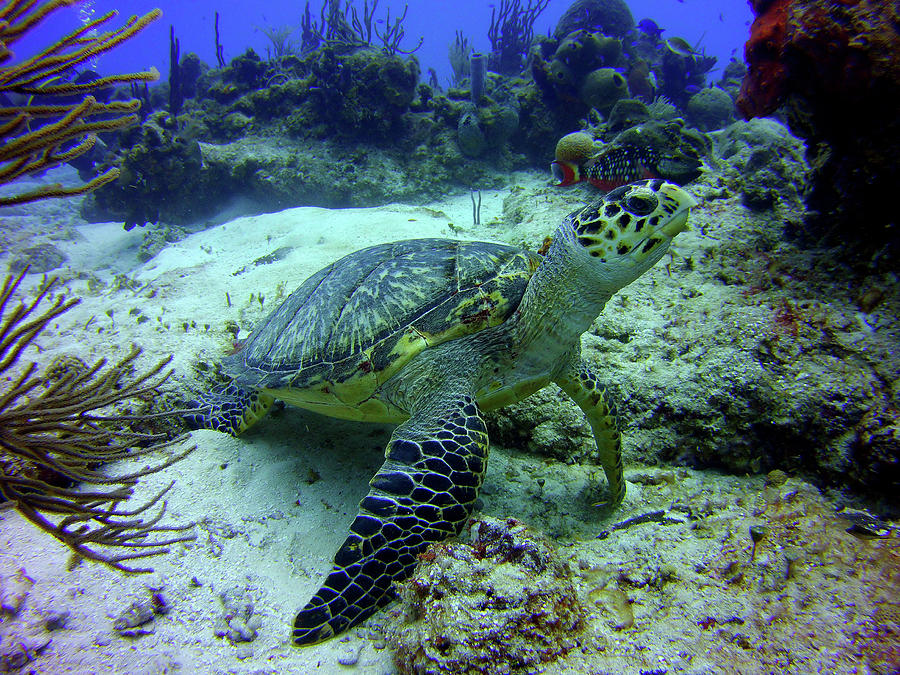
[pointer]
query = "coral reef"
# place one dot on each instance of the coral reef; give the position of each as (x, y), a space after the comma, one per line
(732, 78)
(363, 95)
(470, 136)
(832, 66)
(359, 95)
(682, 71)
(168, 175)
(586, 71)
(779, 357)
(363, 130)
(700, 575)
(511, 32)
(342, 27)
(485, 128)
(764, 162)
(158, 177)
(627, 112)
(797, 547)
(784, 586)
(503, 603)
(602, 88)
(580, 68)
(575, 147)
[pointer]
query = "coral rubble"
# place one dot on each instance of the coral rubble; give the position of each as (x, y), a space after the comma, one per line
(503, 603)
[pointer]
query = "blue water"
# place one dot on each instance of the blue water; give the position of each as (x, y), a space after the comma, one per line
(720, 27)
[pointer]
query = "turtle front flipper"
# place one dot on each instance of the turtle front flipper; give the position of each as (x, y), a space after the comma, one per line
(424, 492)
(580, 383)
(228, 409)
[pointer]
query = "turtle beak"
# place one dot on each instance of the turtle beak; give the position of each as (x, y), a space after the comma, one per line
(678, 223)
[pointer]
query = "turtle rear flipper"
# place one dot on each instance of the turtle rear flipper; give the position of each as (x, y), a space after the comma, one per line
(228, 409)
(424, 492)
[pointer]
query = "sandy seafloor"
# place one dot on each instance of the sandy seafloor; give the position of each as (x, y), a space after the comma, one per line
(266, 529)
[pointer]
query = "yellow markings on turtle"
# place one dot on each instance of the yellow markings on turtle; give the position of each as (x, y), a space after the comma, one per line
(378, 411)
(499, 304)
(498, 395)
(320, 395)
(410, 343)
(371, 410)
(361, 384)
(255, 410)
(473, 314)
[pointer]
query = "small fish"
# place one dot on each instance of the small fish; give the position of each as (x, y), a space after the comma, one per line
(681, 47)
(609, 169)
(649, 28)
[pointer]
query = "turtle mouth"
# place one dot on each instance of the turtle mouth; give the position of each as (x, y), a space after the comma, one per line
(677, 224)
(665, 234)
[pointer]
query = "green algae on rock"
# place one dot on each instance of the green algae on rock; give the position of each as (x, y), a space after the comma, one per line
(710, 108)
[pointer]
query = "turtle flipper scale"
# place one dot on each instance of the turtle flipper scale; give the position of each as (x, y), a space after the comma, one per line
(228, 409)
(424, 492)
(580, 383)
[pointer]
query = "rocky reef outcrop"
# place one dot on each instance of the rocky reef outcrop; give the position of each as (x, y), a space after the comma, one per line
(503, 603)
(831, 67)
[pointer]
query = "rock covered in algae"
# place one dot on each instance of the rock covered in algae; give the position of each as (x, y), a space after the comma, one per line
(610, 17)
(502, 603)
(710, 109)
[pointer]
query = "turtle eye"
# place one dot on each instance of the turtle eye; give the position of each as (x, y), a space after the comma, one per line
(640, 205)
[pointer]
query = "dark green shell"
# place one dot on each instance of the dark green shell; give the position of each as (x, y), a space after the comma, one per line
(373, 310)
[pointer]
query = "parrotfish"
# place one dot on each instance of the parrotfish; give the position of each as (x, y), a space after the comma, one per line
(608, 169)
(650, 150)
(622, 164)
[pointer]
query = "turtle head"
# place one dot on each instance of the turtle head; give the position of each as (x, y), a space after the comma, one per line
(625, 232)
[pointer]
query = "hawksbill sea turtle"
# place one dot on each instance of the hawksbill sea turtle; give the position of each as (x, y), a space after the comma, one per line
(430, 333)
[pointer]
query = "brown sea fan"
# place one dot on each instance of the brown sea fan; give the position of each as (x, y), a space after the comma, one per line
(70, 129)
(58, 432)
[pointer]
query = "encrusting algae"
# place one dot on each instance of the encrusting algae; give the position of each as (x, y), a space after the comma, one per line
(503, 603)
